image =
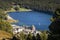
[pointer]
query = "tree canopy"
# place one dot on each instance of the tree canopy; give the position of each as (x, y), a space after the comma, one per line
(45, 5)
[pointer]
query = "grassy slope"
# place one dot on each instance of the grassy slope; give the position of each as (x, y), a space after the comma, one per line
(24, 9)
(4, 34)
(20, 9)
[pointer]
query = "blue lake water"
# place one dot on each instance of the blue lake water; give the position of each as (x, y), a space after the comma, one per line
(39, 19)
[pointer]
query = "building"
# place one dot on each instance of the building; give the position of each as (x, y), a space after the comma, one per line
(26, 30)
(17, 29)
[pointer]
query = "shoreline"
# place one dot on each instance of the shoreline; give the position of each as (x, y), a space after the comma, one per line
(10, 19)
(20, 10)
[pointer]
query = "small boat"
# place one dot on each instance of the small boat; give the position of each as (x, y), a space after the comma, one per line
(39, 24)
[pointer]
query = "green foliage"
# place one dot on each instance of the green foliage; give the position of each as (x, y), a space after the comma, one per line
(2, 14)
(29, 37)
(38, 37)
(14, 38)
(16, 8)
(44, 35)
(5, 26)
(46, 5)
(55, 27)
(22, 36)
(33, 37)
(56, 15)
(5, 5)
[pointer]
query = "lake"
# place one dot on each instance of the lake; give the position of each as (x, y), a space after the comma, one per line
(40, 20)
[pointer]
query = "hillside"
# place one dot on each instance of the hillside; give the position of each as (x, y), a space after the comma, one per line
(4, 34)
(40, 5)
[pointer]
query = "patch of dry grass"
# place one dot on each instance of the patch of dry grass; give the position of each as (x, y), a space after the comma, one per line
(4, 34)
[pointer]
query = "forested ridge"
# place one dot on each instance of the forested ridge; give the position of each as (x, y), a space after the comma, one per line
(40, 5)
